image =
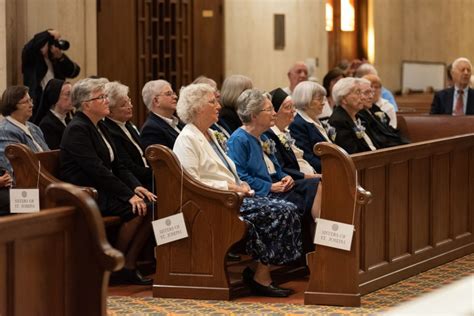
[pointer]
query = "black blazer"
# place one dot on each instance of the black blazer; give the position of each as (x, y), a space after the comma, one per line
(382, 135)
(286, 157)
(156, 131)
(34, 67)
(443, 102)
(306, 136)
(85, 161)
(345, 132)
(53, 130)
(229, 119)
(128, 154)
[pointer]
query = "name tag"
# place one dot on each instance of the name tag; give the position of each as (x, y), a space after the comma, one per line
(24, 201)
(169, 229)
(333, 234)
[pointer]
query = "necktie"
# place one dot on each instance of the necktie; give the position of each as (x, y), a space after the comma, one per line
(459, 107)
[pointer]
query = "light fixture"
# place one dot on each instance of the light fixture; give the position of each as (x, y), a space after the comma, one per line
(347, 15)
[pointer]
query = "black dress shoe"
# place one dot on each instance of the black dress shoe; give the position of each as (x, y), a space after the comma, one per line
(129, 276)
(233, 257)
(271, 290)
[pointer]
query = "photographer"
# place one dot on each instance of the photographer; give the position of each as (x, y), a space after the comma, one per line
(43, 59)
(5, 184)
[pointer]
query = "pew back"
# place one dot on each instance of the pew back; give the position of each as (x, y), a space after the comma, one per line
(57, 261)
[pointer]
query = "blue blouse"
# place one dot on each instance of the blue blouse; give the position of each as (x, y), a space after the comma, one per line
(246, 152)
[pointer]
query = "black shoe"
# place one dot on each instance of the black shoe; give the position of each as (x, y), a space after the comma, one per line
(129, 276)
(233, 257)
(247, 275)
(271, 290)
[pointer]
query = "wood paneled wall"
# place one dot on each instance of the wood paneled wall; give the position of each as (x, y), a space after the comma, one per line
(421, 30)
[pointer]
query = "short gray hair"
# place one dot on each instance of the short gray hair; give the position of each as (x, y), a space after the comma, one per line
(460, 59)
(205, 80)
(342, 88)
(365, 69)
(232, 87)
(250, 102)
(83, 89)
(191, 99)
(115, 91)
(305, 92)
(151, 89)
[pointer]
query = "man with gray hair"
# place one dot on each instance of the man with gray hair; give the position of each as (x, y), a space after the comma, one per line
(369, 69)
(459, 99)
(297, 73)
(161, 126)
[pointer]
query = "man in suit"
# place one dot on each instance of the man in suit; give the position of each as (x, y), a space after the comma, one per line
(161, 126)
(459, 99)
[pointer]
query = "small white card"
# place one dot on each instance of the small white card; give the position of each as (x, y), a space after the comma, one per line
(333, 234)
(24, 201)
(169, 229)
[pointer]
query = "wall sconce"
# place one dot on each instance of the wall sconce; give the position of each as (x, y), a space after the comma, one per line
(329, 16)
(347, 15)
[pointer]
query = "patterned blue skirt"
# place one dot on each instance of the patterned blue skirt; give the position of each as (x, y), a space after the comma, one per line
(274, 235)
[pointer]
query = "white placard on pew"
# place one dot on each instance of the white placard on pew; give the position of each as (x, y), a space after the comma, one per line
(333, 234)
(169, 229)
(24, 201)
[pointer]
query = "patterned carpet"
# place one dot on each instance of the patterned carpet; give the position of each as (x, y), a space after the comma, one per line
(373, 303)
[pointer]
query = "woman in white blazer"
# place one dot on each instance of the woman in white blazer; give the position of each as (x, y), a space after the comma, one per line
(274, 226)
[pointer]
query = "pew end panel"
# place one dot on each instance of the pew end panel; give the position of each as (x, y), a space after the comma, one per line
(27, 165)
(334, 272)
(194, 267)
(57, 261)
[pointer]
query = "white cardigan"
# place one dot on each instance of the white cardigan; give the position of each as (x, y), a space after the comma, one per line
(200, 160)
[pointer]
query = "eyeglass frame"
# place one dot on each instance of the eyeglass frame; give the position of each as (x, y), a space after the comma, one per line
(29, 100)
(167, 94)
(100, 97)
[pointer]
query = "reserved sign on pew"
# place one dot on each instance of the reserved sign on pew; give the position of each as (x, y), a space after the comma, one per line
(169, 229)
(333, 234)
(24, 201)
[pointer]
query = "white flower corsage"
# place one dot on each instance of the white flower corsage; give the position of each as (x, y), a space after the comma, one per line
(381, 116)
(331, 131)
(359, 129)
(286, 140)
(268, 146)
(221, 139)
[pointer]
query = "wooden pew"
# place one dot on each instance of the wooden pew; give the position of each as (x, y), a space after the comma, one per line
(26, 167)
(414, 103)
(57, 261)
(423, 127)
(194, 267)
(421, 216)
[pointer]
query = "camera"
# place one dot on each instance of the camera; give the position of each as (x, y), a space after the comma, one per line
(61, 44)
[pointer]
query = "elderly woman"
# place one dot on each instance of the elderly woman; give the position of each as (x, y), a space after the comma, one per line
(350, 133)
(54, 112)
(17, 107)
(124, 134)
(380, 103)
(254, 156)
(88, 158)
(375, 120)
(274, 227)
(306, 129)
(161, 126)
(232, 87)
(289, 156)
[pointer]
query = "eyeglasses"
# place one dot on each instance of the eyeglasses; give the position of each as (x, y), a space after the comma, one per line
(320, 99)
(29, 100)
(270, 109)
(100, 97)
(368, 93)
(126, 103)
(167, 93)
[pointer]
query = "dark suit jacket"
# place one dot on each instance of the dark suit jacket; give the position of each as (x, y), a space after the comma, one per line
(53, 130)
(306, 136)
(34, 67)
(381, 135)
(286, 158)
(229, 119)
(85, 161)
(345, 132)
(443, 102)
(156, 131)
(128, 154)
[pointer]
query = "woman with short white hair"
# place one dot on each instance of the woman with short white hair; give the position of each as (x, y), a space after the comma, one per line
(274, 227)
(350, 134)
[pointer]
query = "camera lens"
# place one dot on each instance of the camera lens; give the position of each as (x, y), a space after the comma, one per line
(62, 44)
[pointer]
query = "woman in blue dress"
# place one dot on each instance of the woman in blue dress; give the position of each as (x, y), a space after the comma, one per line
(274, 235)
(254, 156)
